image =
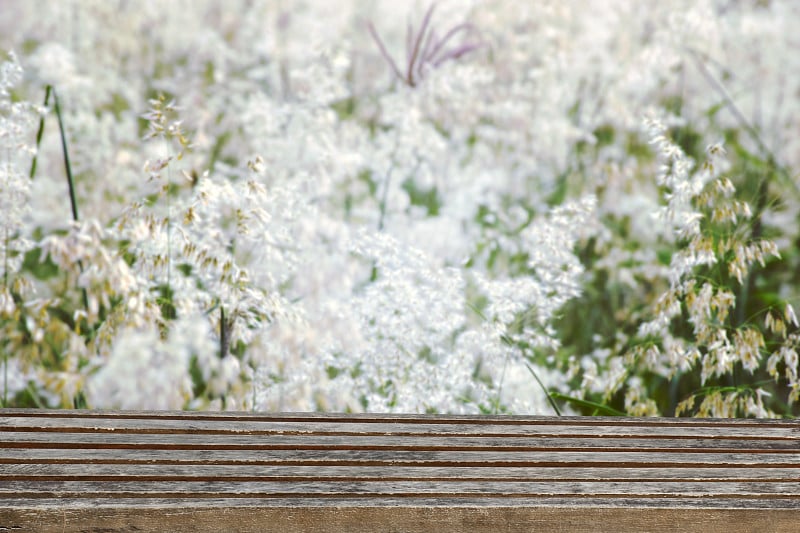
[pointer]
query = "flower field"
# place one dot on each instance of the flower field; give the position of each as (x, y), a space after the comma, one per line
(467, 206)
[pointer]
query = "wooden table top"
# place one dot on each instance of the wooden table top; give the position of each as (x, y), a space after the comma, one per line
(188, 471)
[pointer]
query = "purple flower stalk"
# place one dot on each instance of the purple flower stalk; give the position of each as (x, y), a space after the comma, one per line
(425, 49)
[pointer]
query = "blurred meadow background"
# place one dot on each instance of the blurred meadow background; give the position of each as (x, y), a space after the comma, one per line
(466, 206)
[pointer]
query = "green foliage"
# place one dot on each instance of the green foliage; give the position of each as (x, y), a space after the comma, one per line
(606, 318)
(42, 268)
(427, 198)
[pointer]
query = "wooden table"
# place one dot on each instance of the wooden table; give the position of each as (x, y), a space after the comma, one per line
(181, 471)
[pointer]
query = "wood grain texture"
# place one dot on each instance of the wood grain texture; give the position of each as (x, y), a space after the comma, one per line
(177, 471)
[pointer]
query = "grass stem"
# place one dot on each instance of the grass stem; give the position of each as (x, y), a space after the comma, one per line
(70, 180)
(40, 133)
(67, 166)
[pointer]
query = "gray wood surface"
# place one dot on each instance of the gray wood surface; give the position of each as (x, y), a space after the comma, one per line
(178, 471)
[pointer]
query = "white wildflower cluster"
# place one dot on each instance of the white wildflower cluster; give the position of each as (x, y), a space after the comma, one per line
(157, 369)
(787, 356)
(16, 124)
(720, 343)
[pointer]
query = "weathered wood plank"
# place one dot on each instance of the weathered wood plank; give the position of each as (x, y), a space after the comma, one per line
(401, 517)
(204, 472)
(192, 425)
(416, 419)
(360, 458)
(580, 501)
(400, 489)
(28, 439)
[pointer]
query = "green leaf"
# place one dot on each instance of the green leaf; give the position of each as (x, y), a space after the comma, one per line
(41, 268)
(598, 408)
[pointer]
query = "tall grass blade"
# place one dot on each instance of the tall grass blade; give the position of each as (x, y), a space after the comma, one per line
(224, 333)
(67, 166)
(70, 181)
(40, 133)
(546, 392)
